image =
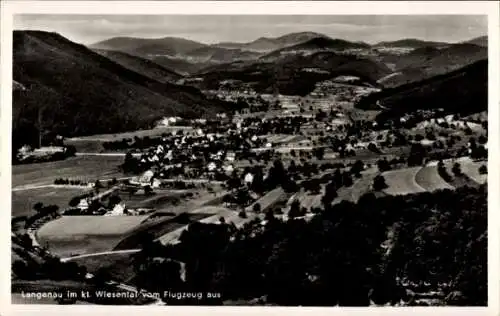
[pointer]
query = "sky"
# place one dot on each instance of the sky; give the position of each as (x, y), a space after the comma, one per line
(88, 29)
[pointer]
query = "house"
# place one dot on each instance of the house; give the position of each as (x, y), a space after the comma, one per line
(230, 156)
(118, 209)
(211, 166)
(83, 205)
(248, 178)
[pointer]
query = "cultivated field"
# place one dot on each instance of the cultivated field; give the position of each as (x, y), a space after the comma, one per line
(83, 168)
(71, 235)
(402, 181)
(269, 199)
(23, 201)
(429, 179)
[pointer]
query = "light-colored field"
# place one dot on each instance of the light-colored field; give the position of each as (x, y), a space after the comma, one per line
(23, 201)
(402, 181)
(268, 199)
(309, 200)
(429, 179)
(88, 225)
(85, 168)
(70, 235)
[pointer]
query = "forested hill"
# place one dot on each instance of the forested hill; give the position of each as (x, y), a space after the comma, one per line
(79, 92)
(462, 91)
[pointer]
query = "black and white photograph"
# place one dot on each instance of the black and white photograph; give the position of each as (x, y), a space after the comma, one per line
(249, 160)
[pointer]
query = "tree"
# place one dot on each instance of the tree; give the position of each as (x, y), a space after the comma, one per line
(148, 190)
(482, 140)
(383, 165)
(38, 207)
(379, 183)
(457, 171)
(74, 201)
(357, 167)
(295, 210)
(256, 207)
(319, 153)
(483, 169)
(269, 215)
(113, 200)
(242, 214)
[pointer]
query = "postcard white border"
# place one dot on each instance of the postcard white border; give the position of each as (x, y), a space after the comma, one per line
(10, 8)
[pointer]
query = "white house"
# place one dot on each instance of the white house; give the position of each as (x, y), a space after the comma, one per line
(248, 178)
(211, 166)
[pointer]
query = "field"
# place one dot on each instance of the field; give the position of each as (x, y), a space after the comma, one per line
(161, 199)
(71, 235)
(23, 201)
(471, 169)
(85, 168)
(429, 179)
(158, 228)
(269, 199)
(402, 181)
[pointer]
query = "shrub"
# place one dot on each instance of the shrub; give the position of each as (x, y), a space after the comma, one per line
(483, 169)
(379, 183)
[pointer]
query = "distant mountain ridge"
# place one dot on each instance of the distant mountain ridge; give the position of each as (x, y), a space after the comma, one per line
(480, 41)
(144, 46)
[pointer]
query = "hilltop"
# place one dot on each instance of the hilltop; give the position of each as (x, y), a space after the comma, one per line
(145, 47)
(81, 92)
(268, 44)
(426, 62)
